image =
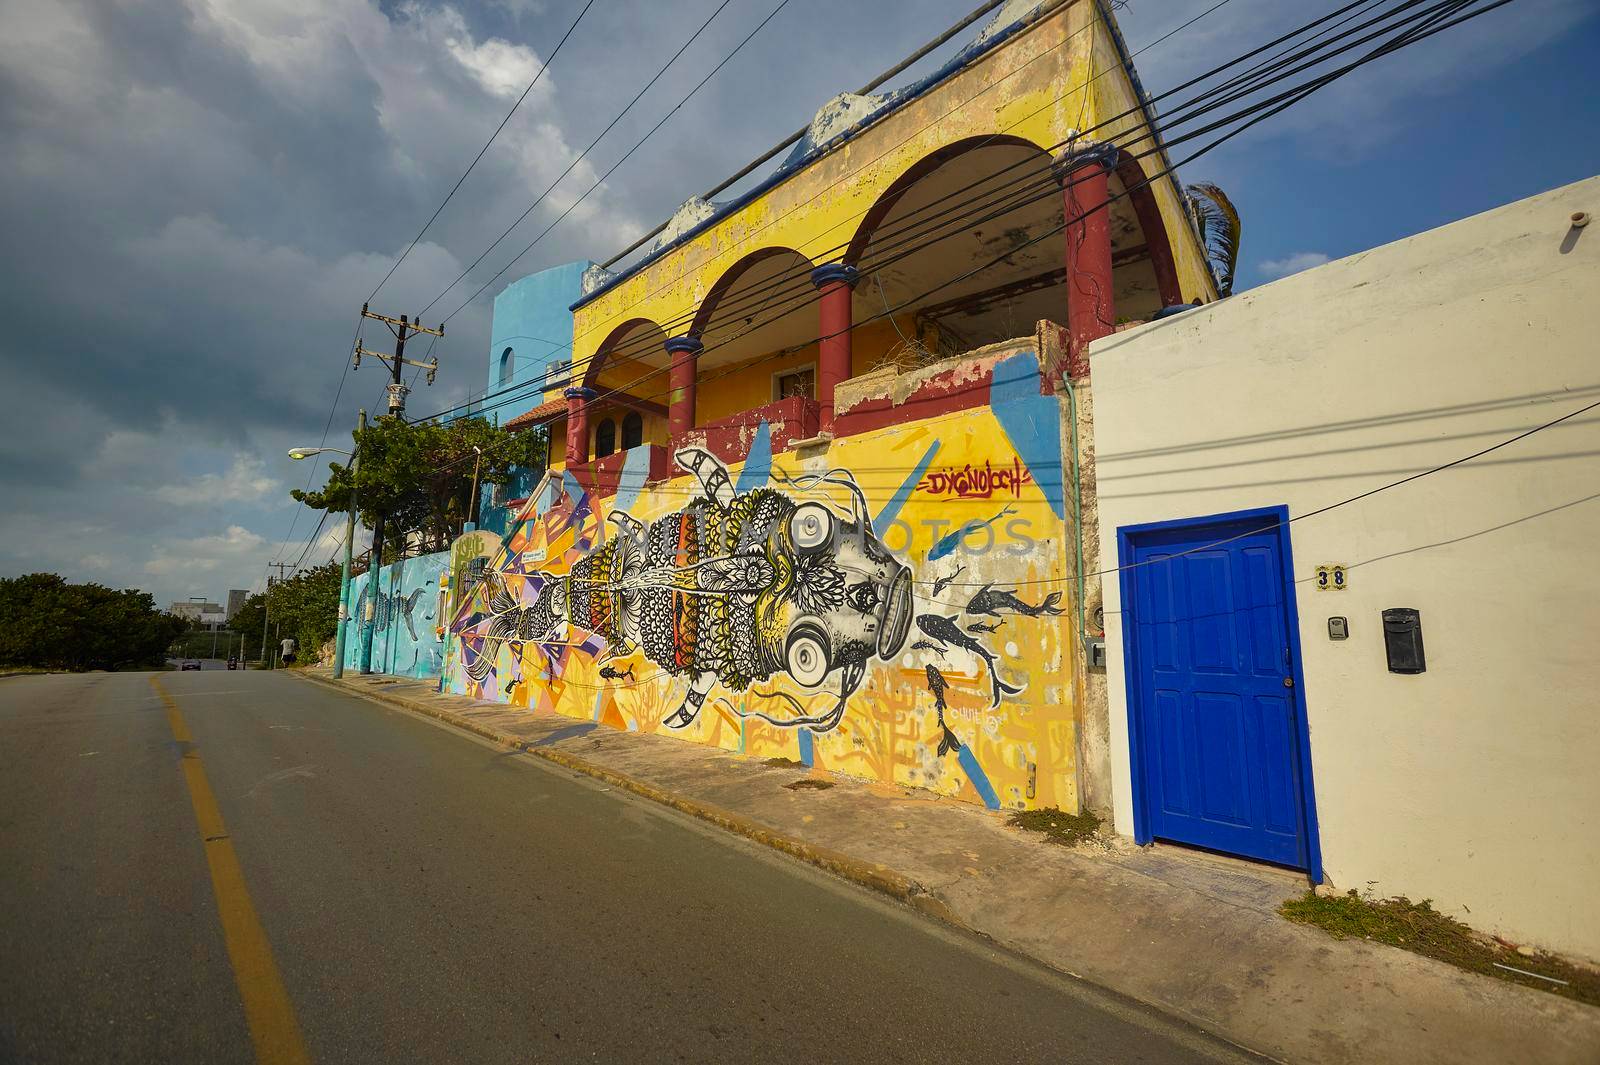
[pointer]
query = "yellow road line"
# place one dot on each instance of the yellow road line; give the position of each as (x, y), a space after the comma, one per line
(267, 1009)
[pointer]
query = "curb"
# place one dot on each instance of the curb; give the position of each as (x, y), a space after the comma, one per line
(870, 875)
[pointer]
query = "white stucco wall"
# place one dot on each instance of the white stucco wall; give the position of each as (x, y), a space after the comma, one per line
(1477, 783)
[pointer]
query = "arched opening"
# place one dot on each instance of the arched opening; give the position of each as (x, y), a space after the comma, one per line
(758, 319)
(626, 379)
(605, 438)
(629, 358)
(507, 366)
(964, 249)
(967, 248)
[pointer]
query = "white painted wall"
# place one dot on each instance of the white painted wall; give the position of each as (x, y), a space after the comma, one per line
(1477, 783)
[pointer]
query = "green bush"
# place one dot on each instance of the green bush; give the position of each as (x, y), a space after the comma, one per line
(50, 624)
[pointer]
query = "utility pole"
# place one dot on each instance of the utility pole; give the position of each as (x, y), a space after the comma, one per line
(403, 329)
(266, 619)
(349, 544)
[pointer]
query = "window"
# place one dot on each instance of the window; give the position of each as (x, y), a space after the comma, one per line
(507, 362)
(632, 430)
(605, 438)
(789, 383)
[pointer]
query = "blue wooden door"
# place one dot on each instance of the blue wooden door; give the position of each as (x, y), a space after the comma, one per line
(1211, 675)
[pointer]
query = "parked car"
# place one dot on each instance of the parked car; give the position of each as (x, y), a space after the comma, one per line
(189, 664)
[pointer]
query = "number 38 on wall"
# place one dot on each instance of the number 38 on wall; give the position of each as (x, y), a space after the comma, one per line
(1330, 579)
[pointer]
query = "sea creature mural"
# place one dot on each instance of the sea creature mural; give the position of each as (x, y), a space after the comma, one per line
(993, 602)
(946, 631)
(938, 685)
(944, 582)
(391, 607)
(732, 589)
(783, 603)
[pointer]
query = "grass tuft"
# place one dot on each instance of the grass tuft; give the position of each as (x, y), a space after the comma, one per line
(1058, 827)
(1418, 927)
(811, 783)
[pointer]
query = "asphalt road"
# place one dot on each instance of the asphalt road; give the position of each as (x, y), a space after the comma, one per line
(428, 897)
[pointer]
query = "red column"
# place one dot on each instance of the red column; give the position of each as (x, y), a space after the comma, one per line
(684, 352)
(577, 426)
(1091, 311)
(835, 282)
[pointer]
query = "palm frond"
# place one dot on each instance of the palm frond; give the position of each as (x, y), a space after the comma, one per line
(1219, 230)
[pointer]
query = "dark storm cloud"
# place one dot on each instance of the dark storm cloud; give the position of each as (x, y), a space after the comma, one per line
(197, 195)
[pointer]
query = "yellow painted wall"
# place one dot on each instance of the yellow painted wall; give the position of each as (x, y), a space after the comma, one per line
(1017, 748)
(1032, 87)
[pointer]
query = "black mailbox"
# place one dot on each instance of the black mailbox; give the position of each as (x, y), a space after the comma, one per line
(1402, 639)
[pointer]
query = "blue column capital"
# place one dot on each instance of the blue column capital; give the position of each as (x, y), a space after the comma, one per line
(831, 272)
(689, 344)
(579, 392)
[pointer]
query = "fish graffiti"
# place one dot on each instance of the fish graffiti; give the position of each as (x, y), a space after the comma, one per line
(938, 685)
(945, 630)
(944, 582)
(733, 589)
(390, 607)
(978, 626)
(992, 601)
(950, 541)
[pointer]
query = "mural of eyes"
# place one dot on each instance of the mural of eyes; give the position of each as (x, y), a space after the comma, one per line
(864, 597)
(811, 526)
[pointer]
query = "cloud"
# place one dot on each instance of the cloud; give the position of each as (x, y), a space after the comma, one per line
(1272, 269)
(245, 481)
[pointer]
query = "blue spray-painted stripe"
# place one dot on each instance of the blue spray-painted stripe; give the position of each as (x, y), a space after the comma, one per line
(1032, 423)
(808, 753)
(757, 468)
(630, 482)
(891, 509)
(979, 778)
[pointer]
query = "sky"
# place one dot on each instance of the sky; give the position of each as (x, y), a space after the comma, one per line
(197, 196)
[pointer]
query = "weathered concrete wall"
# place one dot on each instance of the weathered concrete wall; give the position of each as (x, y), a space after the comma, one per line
(406, 641)
(889, 605)
(1474, 783)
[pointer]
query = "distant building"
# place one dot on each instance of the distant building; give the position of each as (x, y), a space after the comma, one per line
(236, 598)
(204, 613)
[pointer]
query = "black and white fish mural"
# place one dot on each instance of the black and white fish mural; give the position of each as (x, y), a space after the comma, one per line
(737, 588)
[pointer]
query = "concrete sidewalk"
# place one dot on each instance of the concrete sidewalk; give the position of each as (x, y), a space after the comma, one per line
(1193, 935)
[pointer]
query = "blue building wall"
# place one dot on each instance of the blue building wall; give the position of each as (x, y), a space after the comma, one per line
(532, 322)
(532, 341)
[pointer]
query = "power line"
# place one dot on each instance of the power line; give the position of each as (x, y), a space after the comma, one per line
(640, 143)
(580, 156)
(536, 76)
(1253, 81)
(1172, 119)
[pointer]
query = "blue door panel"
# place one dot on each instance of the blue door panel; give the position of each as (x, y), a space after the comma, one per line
(1216, 722)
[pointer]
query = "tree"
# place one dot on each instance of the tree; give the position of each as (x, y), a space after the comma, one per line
(48, 623)
(420, 475)
(306, 607)
(1220, 229)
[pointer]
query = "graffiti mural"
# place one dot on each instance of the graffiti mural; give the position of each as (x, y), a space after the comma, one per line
(404, 600)
(839, 608)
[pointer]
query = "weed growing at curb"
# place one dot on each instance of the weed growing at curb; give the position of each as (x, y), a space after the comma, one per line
(1058, 827)
(1419, 928)
(783, 763)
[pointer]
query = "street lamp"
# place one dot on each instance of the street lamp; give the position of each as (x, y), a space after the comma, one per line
(298, 453)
